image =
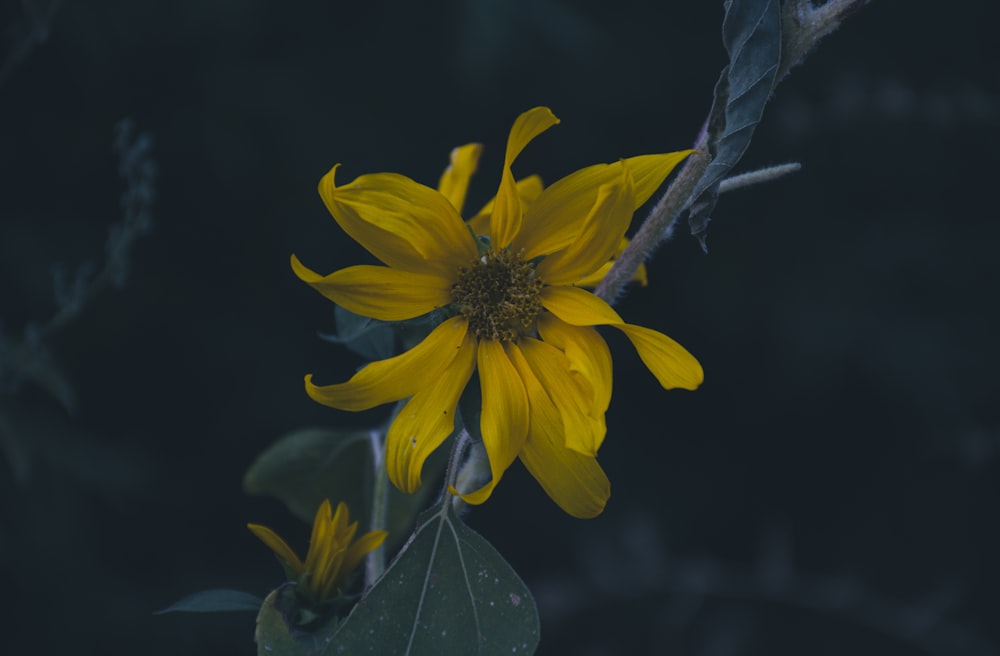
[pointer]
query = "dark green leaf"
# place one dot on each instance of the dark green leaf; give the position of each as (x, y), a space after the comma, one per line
(214, 601)
(448, 592)
(274, 637)
(309, 465)
(751, 33)
(367, 337)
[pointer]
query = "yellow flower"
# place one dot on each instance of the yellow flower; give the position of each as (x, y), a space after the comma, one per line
(331, 558)
(515, 312)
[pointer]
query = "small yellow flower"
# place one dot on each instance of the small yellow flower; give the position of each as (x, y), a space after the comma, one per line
(332, 556)
(516, 312)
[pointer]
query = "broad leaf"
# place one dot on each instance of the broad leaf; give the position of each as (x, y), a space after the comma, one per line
(369, 338)
(751, 33)
(275, 637)
(447, 592)
(307, 466)
(214, 601)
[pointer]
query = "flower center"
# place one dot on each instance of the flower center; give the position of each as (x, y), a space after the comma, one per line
(499, 295)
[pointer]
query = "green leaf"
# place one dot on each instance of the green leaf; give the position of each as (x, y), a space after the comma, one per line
(309, 465)
(751, 33)
(274, 637)
(369, 338)
(447, 592)
(312, 464)
(214, 601)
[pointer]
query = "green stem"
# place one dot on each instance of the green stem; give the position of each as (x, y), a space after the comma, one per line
(375, 562)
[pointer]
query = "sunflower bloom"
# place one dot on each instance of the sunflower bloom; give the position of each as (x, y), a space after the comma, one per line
(332, 555)
(516, 312)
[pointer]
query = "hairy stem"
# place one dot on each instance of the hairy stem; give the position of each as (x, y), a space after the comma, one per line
(659, 225)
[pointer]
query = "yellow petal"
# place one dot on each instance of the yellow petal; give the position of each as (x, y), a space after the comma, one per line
(278, 546)
(504, 418)
(380, 292)
(506, 218)
(603, 229)
(553, 221)
(570, 392)
(405, 224)
(528, 190)
(573, 480)
(328, 575)
(670, 362)
(385, 381)
(576, 482)
(322, 531)
(427, 419)
(672, 365)
(454, 182)
(588, 355)
(578, 307)
(356, 552)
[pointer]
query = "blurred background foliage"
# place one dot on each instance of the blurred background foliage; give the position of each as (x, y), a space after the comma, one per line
(834, 487)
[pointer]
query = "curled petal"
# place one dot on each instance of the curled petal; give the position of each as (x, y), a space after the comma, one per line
(570, 392)
(385, 381)
(427, 419)
(379, 292)
(405, 224)
(588, 355)
(573, 480)
(602, 231)
(454, 181)
(506, 218)
(504, 418)
(555, 219)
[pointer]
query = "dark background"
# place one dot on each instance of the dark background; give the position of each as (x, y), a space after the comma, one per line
(833, 486)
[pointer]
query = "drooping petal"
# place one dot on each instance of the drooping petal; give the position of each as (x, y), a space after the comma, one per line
(278, 546)
(405, 224)
(553, 221)
(570, 392)
(504, 418)
(588, 355)
(454, 181)
(528, 189)
(596, 277)
(578, 307)
(602, 231)
(427, 419)
(505, 220)
(573, 480)
(380, 292)
(670, 362)
(385, 381)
